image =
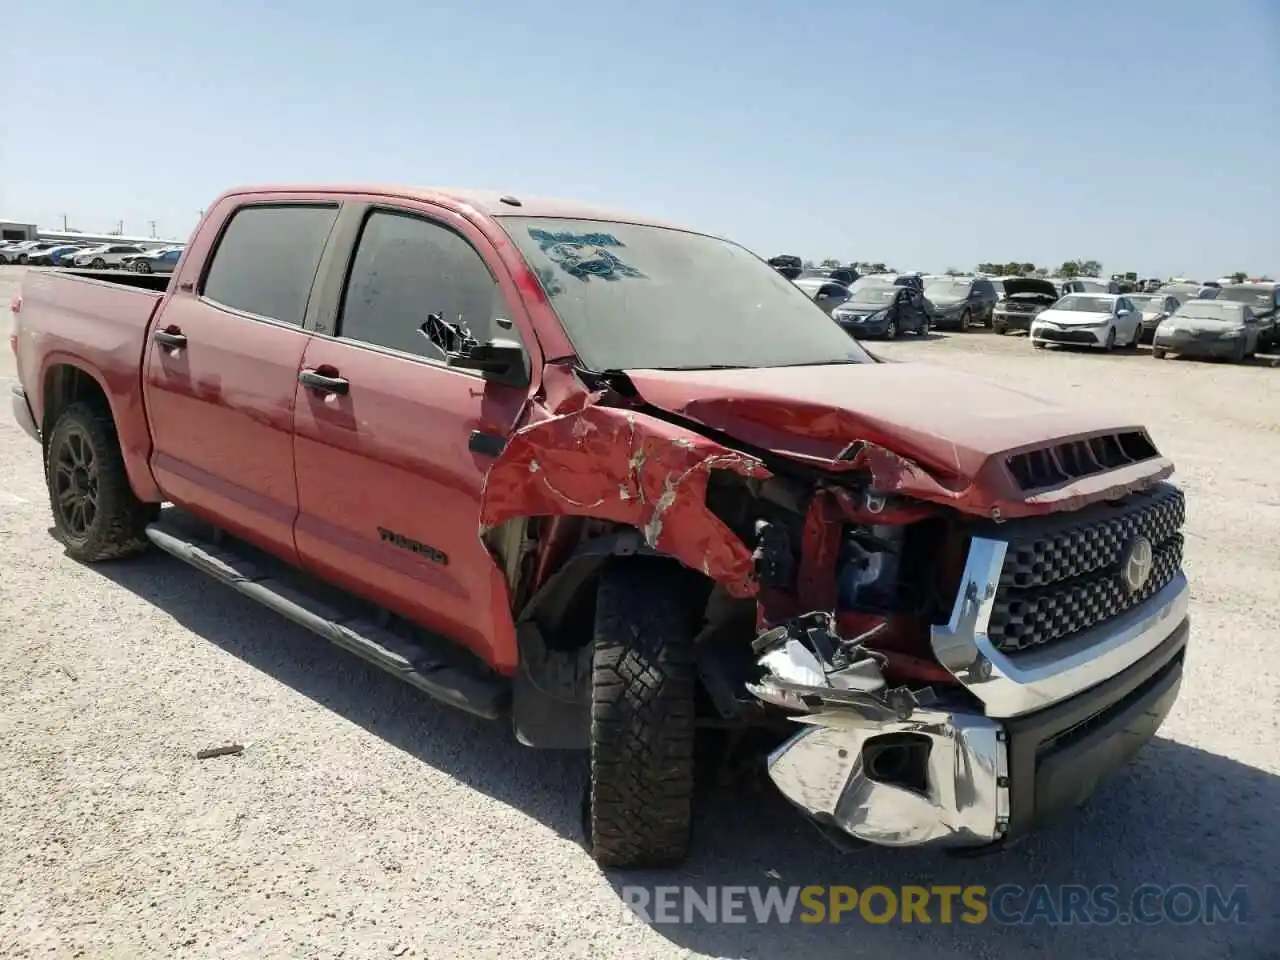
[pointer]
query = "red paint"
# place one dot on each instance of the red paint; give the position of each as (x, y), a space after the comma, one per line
(929, 433)
(621, 465)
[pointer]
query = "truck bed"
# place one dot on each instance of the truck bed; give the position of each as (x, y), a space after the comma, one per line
(96, 320)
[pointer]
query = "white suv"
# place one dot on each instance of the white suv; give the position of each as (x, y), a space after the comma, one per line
(107, 255)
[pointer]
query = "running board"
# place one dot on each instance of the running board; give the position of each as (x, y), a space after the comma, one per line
(414, 663)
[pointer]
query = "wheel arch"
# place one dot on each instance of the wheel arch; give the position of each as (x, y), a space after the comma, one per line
(65, 381)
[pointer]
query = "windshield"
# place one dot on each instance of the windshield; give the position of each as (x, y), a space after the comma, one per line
(873, 290)
(1211, 310)
(944, 288)
(632, 297)
(1078, 303)
(1260, 298)
(1147, 304)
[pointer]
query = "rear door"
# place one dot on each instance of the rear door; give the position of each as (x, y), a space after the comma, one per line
(391, 459)
(222, 366)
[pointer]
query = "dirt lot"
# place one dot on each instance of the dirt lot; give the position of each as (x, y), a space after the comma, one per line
(363, 820)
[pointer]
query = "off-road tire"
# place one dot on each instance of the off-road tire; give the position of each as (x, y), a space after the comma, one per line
(640, 802)
(118, 528)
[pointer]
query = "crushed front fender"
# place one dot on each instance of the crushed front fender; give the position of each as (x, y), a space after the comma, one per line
(623, 465)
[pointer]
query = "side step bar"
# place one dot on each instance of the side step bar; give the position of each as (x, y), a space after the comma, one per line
(487, 697)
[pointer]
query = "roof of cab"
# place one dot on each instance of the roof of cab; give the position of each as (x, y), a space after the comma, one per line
(492, 203)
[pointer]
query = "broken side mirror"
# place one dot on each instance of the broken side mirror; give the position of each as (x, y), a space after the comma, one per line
(500, 360)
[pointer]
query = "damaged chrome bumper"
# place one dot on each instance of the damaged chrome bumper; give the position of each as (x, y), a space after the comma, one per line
(830, 770)
(897, 768)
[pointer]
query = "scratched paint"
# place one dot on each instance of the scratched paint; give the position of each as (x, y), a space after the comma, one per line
(625, 466)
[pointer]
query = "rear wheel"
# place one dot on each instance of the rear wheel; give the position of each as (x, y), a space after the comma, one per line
(96, 515)
(639, 806)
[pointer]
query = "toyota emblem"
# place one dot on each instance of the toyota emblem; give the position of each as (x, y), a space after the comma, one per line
(1136, 568)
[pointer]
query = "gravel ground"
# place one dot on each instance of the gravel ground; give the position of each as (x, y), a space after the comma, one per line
(364, 820)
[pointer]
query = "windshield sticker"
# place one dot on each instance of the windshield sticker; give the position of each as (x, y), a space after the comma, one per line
(584, 255)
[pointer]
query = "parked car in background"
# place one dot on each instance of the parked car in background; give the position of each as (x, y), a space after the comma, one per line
(1208, 328)
(1099, 320)
(156, 261)
(960, 302)
(1153, 307)
(1182, 291)
(883, 309)
(1089, 285)
(107, 255)
(17, 253)
(1023, 299)
(34, 253)
(789, 265)
(51, 255)
(825, 292)
(1263, 299)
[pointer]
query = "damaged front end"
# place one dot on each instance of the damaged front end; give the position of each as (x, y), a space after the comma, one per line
(920, 630)
(889, 766)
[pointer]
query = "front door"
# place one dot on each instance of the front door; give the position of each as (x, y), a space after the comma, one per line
(389, 470)
(222, 371)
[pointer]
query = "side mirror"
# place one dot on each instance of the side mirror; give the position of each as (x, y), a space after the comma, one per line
(500, 360)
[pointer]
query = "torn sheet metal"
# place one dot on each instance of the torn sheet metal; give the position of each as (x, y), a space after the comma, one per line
(617, 464)
(805, 665)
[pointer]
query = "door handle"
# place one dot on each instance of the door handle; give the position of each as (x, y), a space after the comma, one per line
(174, 339)
(325, 384)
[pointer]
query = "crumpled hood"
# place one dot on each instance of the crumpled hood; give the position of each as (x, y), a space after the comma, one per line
(956, 428)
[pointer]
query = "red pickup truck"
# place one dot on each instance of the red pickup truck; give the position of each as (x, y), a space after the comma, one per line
(617, 482)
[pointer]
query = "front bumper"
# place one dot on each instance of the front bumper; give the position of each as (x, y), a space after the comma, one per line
(22, 412)
(1012, 321)
(860, 329)
(1047, 727)
(1193, 346)
(1069, 336)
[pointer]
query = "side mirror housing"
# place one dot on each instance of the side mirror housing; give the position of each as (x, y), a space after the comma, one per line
(500, 360)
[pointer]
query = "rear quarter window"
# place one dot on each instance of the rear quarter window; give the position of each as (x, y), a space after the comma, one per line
(265, 262)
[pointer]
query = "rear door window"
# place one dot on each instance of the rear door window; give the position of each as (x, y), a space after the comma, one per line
(266, 260)
(407, 267)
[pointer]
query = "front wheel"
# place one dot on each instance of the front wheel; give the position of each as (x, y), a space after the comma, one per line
(999, 328)
(1037, 344)
(98, 263)
(96, 515)
(1111, 340)
(142, 266)
(639, 808)
(891, 330)
(1158, 353)
(966, 321)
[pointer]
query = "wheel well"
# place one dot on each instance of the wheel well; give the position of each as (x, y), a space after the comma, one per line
(64, 385)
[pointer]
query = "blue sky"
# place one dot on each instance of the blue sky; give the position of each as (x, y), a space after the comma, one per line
(927, 134)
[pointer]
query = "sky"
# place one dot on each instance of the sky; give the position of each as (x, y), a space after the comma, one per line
(926, 134)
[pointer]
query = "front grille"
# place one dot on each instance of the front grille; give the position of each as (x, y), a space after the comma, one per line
(1063, 575)
(1066, 336)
